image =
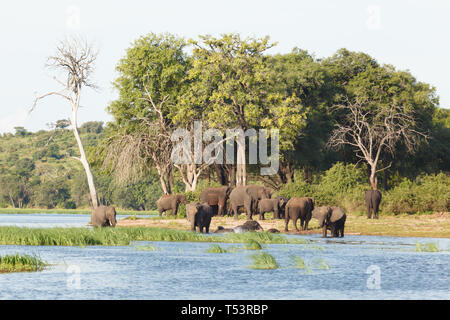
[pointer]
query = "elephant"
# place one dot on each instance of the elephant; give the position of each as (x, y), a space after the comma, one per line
(221, 229)
(373, 199)
(217, 198)
(104, 216)
(276, 206)
(170, 202)
(299, 208)
(199, 215)
(330, 218)
(248, 226)
(248, 197)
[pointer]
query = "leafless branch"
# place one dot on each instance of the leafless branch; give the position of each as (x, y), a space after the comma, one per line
(371, 132)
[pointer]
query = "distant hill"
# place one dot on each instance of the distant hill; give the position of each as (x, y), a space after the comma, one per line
(36, 170)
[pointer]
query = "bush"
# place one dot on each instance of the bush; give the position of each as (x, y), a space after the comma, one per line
(342, 185)
(428, 193)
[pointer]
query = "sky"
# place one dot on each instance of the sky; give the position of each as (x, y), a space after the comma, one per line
(411, 35)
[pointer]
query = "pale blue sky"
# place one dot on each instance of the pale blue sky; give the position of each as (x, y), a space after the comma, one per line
(413, 35)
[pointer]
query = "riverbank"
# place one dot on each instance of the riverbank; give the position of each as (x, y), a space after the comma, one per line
(70, 211)
(435, 225)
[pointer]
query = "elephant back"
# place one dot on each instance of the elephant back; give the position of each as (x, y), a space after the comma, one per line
(294, 202)
(238, 194)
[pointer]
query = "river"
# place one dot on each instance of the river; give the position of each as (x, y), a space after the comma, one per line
(355, 267)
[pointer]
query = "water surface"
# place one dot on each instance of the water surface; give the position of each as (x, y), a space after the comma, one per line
(183, 270)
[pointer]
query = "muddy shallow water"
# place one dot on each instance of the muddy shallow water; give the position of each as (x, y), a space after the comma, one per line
(356, 267)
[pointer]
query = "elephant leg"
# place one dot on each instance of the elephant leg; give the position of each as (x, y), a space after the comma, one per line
(324, 231)
(248, 208)
(235, 211)
(261, 216)
(160, 211)
(294, 220)
(376, 209)
(220, 211)
(276, 214)
(286, 220)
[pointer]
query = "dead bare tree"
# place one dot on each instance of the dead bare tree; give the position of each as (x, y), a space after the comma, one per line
(75, 58)
(372, 132)
(130, 155)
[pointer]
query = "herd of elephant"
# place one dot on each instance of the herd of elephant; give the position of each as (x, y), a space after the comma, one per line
(254, 199)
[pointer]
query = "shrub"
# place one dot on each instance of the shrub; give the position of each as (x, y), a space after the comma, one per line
(342, 185)
(428, 193)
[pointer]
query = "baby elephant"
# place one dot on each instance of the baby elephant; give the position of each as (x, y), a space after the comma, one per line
(199, 215)
(104, 216)
(331, 218)
(276, 205)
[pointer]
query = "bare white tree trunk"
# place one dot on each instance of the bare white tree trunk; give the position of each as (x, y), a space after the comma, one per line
(75, 58)
(241, 168)
(83, 158)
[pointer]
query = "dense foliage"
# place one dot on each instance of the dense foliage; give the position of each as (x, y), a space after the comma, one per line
(165, 82)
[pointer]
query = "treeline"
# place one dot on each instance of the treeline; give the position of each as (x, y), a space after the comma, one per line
(165, 82)
(36, 170)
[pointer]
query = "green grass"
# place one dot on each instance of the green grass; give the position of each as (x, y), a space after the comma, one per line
(300, 263)
(426, 247)
(318, 263)
(215, 248)
(263, 237)
(147, 248)
(21, 263)
(252, 245)
(123, 236)
(264, 261)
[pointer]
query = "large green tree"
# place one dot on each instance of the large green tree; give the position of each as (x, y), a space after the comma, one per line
(231, 86)
(151, 77)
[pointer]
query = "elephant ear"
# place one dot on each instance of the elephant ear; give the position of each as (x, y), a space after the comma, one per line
(327, 213)
(336, 214)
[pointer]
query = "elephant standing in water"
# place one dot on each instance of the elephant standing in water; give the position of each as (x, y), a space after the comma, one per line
(199, 215)
(170, 202)
(248, 197)
(373, 199)
(330, 218)
(216, 198)
(299, 208)
(104, 216)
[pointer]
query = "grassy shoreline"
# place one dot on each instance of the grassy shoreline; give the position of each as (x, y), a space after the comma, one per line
(69, 211)
(125, 236)
(435, 225)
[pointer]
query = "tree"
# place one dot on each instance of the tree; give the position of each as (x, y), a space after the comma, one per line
(151, 79)
(75, 58)
(299, 76)
(230, 87)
